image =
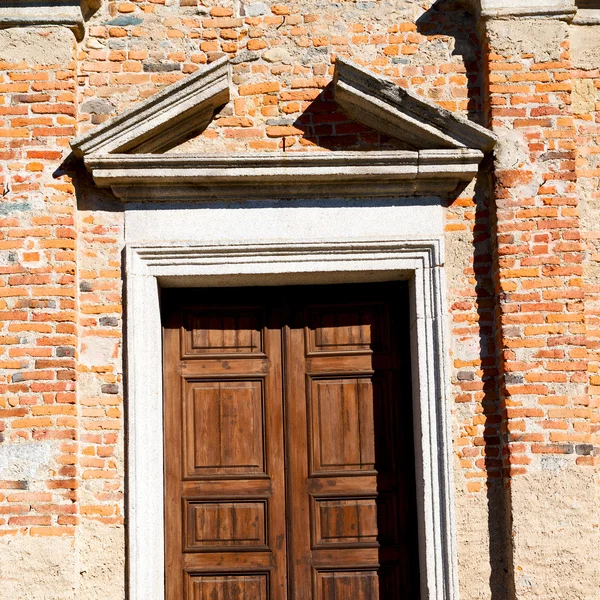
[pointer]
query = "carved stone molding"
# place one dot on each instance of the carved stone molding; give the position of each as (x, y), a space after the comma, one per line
(505, 9)
(32, 13)
(171, 178)
(420, 261)
(126, 152)
(379, 103)
(164, 120)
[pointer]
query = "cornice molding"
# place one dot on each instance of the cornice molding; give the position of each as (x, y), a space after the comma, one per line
(36, 13)
(164, 120)
(171, 177)
(126, 152)
(533, 9)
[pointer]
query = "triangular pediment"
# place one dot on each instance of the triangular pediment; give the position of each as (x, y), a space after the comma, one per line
(182, 110)
(438, 151)
(163, 121)
(386, 107)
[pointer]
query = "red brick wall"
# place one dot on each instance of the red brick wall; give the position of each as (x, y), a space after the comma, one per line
(523, 292)
(38, 311)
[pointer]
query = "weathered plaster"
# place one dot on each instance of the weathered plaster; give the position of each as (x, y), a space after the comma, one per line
(584, 96)
(585, 47)
(540, 37)
(554, 555)
(37, 568)
(100, 570)
(26, 461)
(52, 46)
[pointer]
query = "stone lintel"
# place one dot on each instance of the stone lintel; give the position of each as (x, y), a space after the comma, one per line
(38, 13)
(532, 9)
(180, 177)
(587, 16)
(165, 120)
(381, 104)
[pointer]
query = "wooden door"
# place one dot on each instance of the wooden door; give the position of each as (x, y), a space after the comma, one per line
(224, 455)
(288, 445)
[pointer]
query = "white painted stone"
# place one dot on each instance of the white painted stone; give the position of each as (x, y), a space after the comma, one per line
(288, 220)
(200, 263)
(35, 13)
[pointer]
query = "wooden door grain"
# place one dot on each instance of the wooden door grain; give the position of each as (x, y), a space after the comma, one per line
(351, 483)
(289, 460)
(224, 456)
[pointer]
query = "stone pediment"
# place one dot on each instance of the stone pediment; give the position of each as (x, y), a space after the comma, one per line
(379, 103)
(127, 152)
(164, 120)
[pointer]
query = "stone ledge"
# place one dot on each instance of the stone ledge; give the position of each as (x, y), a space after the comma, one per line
(506, 9)
(587, 16)
(147, 177)
(31, 13)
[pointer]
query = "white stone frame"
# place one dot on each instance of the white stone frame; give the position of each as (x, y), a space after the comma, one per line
(150, 267)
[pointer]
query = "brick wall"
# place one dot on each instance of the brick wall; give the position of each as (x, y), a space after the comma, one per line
(523, 264)
(39, 420)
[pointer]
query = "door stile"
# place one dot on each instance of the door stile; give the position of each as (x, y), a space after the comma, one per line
(300, 558)
(224, 484)
(275, 441)
(172, 460)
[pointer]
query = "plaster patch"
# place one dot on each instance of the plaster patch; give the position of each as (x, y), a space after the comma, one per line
(24, 461)
(554, 514)
(474, 542)
(583, 98)
(585, 47)
(101, 566)
(542, 38)
(37, 568)
(36, 46)
(511, 151)
(97, 351)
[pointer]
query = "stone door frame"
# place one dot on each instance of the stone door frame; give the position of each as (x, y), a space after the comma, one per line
(148, 267)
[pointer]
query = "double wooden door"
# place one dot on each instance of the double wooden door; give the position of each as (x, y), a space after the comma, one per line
(289, 461)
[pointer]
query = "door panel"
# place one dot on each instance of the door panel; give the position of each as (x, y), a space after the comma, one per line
(288, 445)
(351, 486)
(225, 497)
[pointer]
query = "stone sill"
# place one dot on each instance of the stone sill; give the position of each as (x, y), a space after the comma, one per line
(587, 16)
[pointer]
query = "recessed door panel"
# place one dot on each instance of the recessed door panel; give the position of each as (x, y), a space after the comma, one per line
(342, 424)
(224, 428)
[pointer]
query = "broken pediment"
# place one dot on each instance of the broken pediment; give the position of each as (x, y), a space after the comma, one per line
(386, 107)
(127, 152)
(165, 120)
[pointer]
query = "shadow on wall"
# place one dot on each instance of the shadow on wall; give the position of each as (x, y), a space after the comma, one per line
(324, 124)
(494, 437)
(449, 18)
